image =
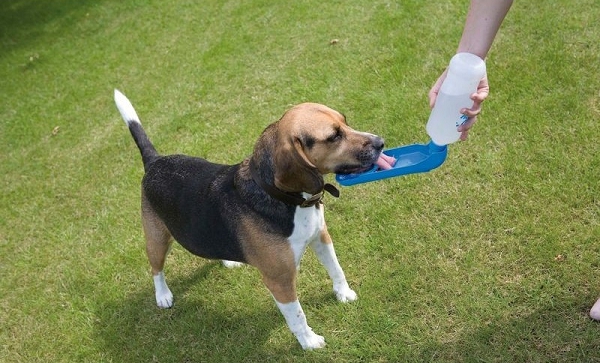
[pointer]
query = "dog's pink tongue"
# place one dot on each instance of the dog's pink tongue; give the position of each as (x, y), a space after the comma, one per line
(385, 162)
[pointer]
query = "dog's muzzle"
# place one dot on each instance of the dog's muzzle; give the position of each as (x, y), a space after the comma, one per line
(365, 157)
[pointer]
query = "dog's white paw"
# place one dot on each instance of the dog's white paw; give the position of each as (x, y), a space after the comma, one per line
(309, 340)
(164, 297)
(345, 294)
(164, 300)
(232, 264)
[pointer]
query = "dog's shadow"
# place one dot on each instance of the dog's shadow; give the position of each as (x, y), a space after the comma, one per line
(135, 330)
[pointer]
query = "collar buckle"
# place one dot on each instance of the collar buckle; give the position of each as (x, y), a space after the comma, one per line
(312, 201)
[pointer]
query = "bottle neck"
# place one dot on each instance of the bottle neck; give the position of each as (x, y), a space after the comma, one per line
(435, 148)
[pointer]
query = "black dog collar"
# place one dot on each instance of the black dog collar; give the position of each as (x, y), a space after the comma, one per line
(292, 198)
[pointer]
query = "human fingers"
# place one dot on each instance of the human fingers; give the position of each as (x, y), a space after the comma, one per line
(483, 90)
(464, 128)
(464, 135)
(473, 111)
(435, 89)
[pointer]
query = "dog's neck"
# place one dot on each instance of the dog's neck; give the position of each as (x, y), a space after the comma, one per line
(290, 197)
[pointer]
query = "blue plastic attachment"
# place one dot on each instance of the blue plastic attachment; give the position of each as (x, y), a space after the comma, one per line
(410, 159)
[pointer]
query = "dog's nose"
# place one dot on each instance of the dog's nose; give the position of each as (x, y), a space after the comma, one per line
(377, 143)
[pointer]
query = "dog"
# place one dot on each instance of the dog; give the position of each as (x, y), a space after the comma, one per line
(264, 211)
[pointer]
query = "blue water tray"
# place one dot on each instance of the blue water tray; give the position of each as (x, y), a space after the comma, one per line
(410, 159)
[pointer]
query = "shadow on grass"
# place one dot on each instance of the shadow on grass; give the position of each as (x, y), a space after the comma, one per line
(135, 330)
(22, 21)
(560, 333)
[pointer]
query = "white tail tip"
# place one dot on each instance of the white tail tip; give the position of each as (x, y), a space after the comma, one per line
(125, 108)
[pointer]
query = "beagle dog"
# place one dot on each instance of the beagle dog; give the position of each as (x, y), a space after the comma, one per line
(263, 211)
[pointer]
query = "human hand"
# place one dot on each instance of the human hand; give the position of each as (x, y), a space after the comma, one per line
(483, 90)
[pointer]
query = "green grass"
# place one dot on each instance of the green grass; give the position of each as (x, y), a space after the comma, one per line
(457, 265)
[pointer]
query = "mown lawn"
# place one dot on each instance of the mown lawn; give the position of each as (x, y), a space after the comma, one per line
(493, 257)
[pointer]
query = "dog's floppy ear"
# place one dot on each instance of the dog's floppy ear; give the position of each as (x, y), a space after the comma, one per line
(294, 172)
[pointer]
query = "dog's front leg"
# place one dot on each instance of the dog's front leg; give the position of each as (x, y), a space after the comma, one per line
(296, 321)
(323, 247)
(284, 292)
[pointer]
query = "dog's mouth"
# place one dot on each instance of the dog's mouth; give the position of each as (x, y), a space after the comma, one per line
(352, 169)
(365, 161)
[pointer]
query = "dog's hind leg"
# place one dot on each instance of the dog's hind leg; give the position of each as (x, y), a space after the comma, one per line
(323, 247)
(158, 243)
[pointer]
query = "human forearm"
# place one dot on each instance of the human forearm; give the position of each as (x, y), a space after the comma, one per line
(483, 21)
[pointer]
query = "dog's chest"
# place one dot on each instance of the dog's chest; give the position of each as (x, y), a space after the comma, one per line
(308, 223)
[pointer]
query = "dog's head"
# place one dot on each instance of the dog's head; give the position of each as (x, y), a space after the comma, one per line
(312, 140)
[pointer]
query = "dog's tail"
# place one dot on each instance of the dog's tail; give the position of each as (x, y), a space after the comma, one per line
(132, 120)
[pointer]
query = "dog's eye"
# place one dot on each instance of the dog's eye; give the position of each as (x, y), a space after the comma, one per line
(335, 137)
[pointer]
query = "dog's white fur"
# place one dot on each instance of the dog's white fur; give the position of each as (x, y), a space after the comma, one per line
(309, 222)
(164, 297)
(126, 108)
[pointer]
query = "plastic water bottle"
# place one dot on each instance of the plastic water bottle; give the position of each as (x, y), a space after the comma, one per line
(464, 74)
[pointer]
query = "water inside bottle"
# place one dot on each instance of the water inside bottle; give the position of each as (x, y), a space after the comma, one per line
(446, 117)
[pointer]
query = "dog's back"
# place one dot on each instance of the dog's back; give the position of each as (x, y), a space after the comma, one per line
(180, 190)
